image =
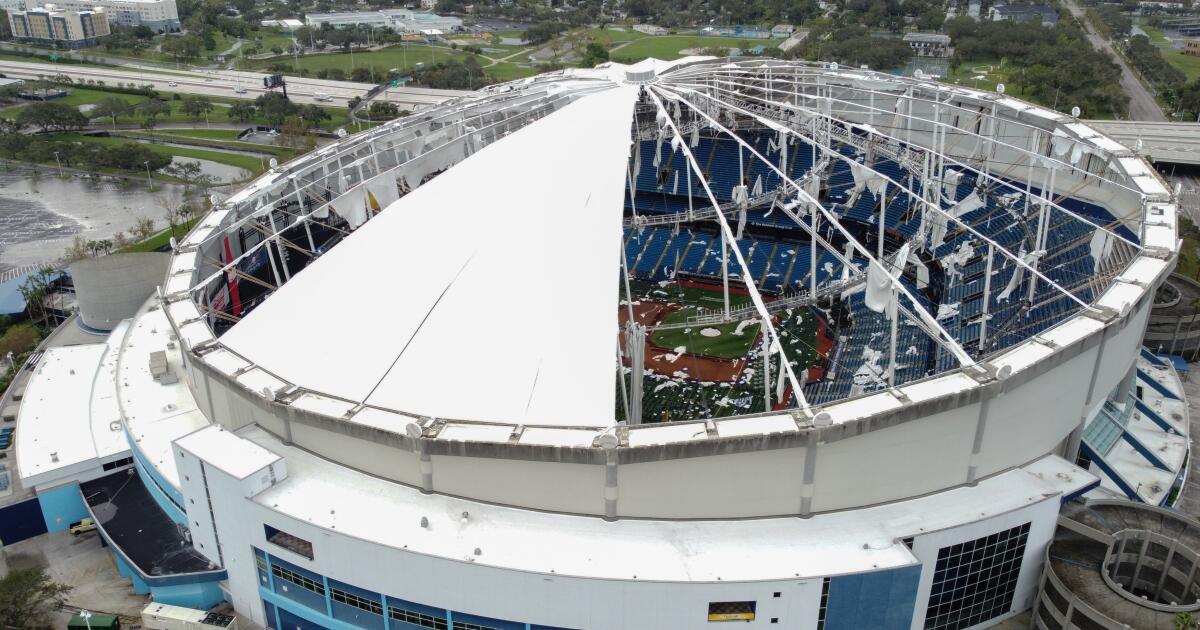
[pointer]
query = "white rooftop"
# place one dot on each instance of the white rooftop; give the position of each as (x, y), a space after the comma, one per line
(356, 504)
(155, 413)
(442, 326)
(68, 419)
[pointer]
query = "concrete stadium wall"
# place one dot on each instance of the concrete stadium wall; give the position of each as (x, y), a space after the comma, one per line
(913, 450)
(111, 288)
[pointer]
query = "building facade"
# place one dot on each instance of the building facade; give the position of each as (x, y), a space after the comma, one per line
(160, 15)
(59, 26)
(398, 20)
(929, 44)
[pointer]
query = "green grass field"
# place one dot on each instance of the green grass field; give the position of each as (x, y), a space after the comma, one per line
(1187, 64)
(668, 47)
(728, 343)
(609, 37)
(404, 57)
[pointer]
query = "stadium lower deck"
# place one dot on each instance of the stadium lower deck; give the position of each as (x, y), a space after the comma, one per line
(842, 343)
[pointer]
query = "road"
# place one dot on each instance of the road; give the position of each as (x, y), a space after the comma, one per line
(227, 83)
(1142, 105)
(1177, 142)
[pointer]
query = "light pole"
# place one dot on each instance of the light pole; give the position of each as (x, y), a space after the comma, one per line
(87, 618)
(149, 181)
(59, 163)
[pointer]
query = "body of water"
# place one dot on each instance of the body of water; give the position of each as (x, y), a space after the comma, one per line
(39, 217)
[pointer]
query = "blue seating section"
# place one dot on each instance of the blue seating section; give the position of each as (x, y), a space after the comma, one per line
(780, 263)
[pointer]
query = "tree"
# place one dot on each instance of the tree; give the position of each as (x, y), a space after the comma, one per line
(274, 107)
(543, 32)
(154, 108)
(594, 55)
(52, 117)
(362, 75)
(382, 110)
(183, 48)
(294, 134)
(143, 228)
(196, 106)
(110, 107)
(241, 111)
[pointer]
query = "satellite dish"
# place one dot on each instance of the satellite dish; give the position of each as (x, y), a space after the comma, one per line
(174, 244)
(341, 132)
(608, 441)
(833, 66)
(999, 88)
(413, 430)
(1004, 372)
(274, 162)
(1075, 112)
(822, 419)
(268, 393)
(918, 74)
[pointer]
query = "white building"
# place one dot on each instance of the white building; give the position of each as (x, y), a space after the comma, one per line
(398, 20)
(650, 29)
(403, 434)
(160, 15)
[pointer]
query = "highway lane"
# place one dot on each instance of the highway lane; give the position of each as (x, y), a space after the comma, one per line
(1176, 142)
(1142, 105)
(231, 84)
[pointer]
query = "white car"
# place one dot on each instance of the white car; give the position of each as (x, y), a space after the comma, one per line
(239, 90)
(172, 84)
(324, 98)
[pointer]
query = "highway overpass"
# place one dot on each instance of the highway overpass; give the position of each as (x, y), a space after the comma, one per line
(229, 83)
(1176, 142)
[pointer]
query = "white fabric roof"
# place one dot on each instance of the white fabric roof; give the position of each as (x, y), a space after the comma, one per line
(488, 293)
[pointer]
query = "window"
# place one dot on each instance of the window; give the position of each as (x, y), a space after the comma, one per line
(350, 599)
(975, 581)
(298, 580)
(824, 604)
(417, 618)
(731, 611)
(462, 625)
(294, 544)
(120, 463)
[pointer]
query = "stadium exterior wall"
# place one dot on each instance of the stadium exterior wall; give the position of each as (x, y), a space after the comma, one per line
(909, 449)
(564, 601)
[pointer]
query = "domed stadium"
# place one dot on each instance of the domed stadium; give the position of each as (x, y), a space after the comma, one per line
(661, 346)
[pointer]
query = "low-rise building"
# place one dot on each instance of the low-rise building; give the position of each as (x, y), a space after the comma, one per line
(650, 29)
(929, 44)
(159, 15)
(398, 20)
(782, 30)
(1046, 15)
(54, 25)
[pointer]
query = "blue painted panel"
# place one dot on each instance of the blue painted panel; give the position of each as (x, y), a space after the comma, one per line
(357, 616)
(883, 600)
(21, 521)
(300, 594)
(288, 621)
(201, 596)
(156, 485)
(271, 619)
(353, 614)
(145, 469)
(313, 618)
(486, 621)
(139, 585)
(62, 506)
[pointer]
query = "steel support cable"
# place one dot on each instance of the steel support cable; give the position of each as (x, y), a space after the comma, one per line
(933, 206)
(938, 124)
(949, 341)
(729, 236)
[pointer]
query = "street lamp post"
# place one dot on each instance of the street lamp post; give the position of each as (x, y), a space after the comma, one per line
(87, 618)
(59, 163)
(149, 181)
